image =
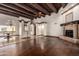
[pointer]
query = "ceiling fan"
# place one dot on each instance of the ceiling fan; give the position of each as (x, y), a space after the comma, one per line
(39, 14)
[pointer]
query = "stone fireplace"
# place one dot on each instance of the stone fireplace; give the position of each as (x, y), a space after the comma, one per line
(70, 29)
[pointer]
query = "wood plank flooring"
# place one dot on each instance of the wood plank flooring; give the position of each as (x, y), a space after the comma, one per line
(40, 46)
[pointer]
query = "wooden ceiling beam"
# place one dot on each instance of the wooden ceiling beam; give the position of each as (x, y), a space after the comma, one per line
(26, 8)
(9, 5)
(31, 10)
(38, 7)
(63, 4)
(46, 7)
(52, 7)
(12, 11)
(7, 13)
(12, 14)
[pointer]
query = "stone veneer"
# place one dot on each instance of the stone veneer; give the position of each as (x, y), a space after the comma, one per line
(72, 27)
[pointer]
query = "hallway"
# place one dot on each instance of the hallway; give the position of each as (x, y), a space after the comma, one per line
(40, 46)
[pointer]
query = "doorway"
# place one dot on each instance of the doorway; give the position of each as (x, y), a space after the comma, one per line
(41, 29)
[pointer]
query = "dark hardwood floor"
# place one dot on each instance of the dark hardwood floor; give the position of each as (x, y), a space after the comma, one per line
(40, 46)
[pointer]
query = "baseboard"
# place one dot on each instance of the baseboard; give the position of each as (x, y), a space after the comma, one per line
(52, 36)
(25, 37)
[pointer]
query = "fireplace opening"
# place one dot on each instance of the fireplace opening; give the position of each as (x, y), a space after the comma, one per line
(69, 33)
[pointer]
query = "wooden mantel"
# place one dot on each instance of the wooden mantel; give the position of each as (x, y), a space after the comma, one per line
(72, 22)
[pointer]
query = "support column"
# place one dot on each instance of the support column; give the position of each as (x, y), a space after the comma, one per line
(34, 29)
(21, 28)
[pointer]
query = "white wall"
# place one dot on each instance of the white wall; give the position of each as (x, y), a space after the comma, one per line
(54, 21)
(74, 10)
